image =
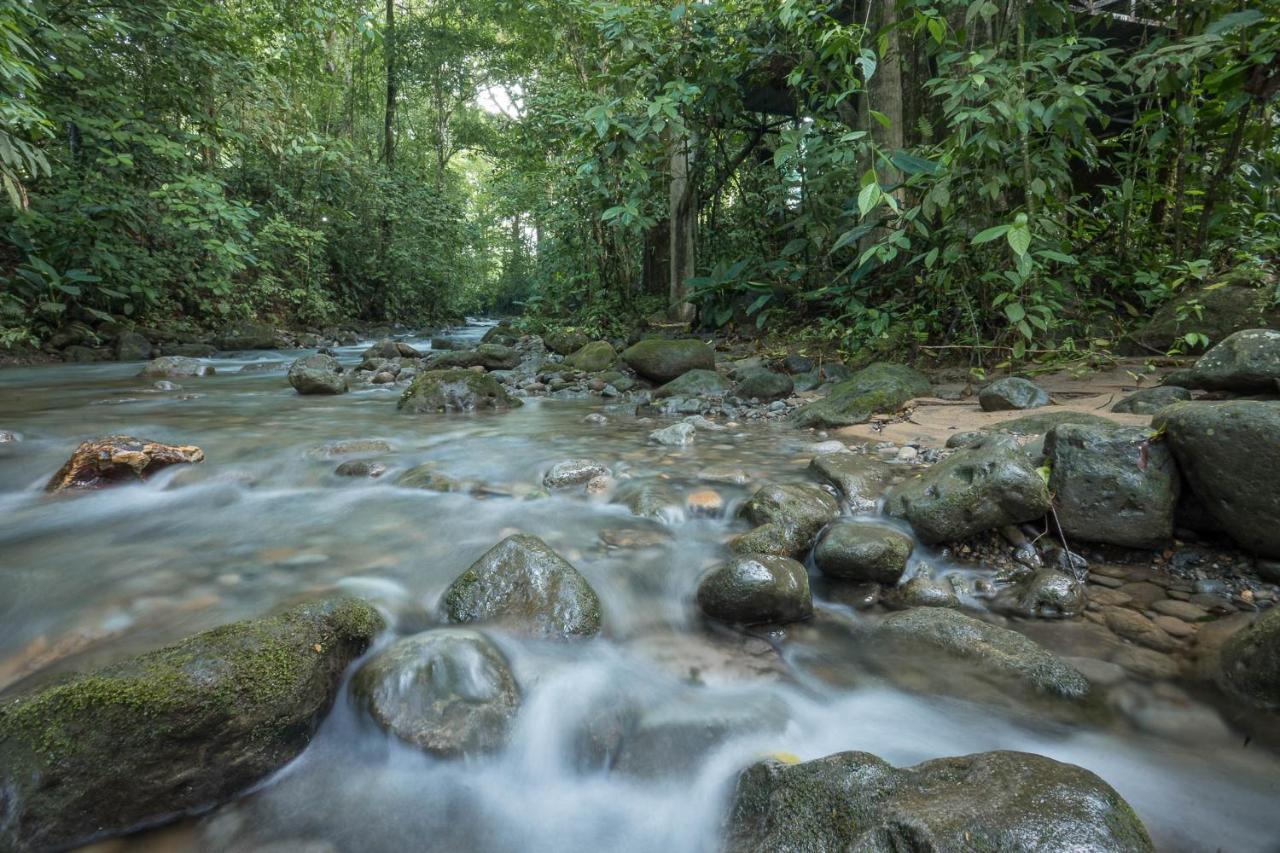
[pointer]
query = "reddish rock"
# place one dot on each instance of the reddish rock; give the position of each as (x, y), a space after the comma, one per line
(115, 459)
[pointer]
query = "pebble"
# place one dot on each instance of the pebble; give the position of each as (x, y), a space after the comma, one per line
(828, 447)
(1105, 597)
(705, 502)
(1104, 580)
(1173, 626)
(595, 418)
(1212, 603)
(1183, 610)
(907, 454)
(166, 385)
(1144, 594)
(1134, 626)
(1145, 662)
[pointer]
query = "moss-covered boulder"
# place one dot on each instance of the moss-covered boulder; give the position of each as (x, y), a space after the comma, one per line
(1002, 802)
(1148, 401)
(172, 731)
(992, 652)
(1012, 393)
(457, 390)
(448, 691)
(317, 374)
(565, 341)
(175, 367)
(1229, 453)
(593, 357)
(1041, 422)
(663, 359)
(131, 346)
(695, 383)
(1247, 362)
(246, 336)
(765, 385)
(879, 387)
(1115, 486)
(863, 551)
(490, 356)
(524, 584)
(787, 518)
(978, 488)
(1215, 311)
(858, 477)
(116, 459)
(754, 589)
(1250, 662)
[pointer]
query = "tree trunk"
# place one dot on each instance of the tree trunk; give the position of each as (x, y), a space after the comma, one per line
(1222, 176)
(684, 221)
(657, 259)
(389, 119)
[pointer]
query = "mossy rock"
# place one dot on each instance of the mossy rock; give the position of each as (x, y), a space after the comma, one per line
(317, 374)
(1041, 422)
(174, 731)
(458, 390)
(662, 359)
(175, 367)
(991, 802)
(754, 589)
(695, 383)
(593, 357)
(490, 356)
(1225, 308)
(565, 341)
(1251, 662)
(878, 388)
(787, 518)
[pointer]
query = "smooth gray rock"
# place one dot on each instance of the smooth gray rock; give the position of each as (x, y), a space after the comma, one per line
(1041, 422)
(174, 731)
(695, 383)
(1229, 453)
(661, 360)
(787, 518)
(317, 374)
(1002, 802)
(574, 472)
(448, 691)
(131, 346)
(1043, 594)
(879, 387)
(765, 385)
(858, 477)
(175, 367)
(1148, 401)
(979, 488)
(1010, 393)
(756, 588)
(490, 356)
(1115, 486)
(1250, 662)
(676, 435)
(1247, 362)
(864, 551)
(523, 583)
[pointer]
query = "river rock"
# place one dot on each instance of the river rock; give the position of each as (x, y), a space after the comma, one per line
(1148, 401)
(1229, 453)
(757, 588)
(489, 356)
(923, 590)
(360, 468)
(864, 551)
(1215, 309)
(1010, 393)
(593, 357)
(173, 731)
(787, 518)
(116, 459)
(387, 348)
(676, 737)
(565, 341)
(979, 488)
(992, 649)
(676, 435)
(131, 346)
(245, 336)
(1011, 802)
(695, 383)
(1044, 594)
(1113, 485)
(1247, 362)
(1041, 422)
(880, 387)
(317, 374)
(574, 472)
(175, 367)
(523, 583)
(858, 477)
(648, 498)
(448, 691)
(661, 360)
(764, 385)
(832, 371)
(455, 390)
(1250, 662)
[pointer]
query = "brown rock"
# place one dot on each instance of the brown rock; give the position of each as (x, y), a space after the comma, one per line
(1145, 662)
(116, 459)
(1143, 593)
(1138, 628)
(1184, 610)
(705, 502)
(1105, 580)
(1173, 626)
(1105, 597)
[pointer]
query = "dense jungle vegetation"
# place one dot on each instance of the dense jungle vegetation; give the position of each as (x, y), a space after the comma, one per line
(1019, 177)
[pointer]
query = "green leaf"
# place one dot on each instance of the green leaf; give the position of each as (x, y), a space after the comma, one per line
(993, 233)
(868, 198)
(1015, 312)
(1019, 238)
(850, 236)
(1234, 21)
(913, 165)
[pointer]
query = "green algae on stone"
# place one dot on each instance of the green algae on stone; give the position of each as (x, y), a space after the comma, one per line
(663, 359)
(172, 731)
(455, 390)
(593, 357)
(876, 388)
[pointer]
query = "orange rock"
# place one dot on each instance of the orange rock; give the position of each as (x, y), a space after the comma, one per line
(118, 459)
(705, 502)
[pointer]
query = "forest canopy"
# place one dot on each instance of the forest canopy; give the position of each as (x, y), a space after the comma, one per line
(1027, 177)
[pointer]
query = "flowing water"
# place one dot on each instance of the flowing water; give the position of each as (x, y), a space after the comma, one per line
(265, 522)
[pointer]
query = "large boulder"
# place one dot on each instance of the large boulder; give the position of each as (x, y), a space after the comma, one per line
(879, 387)
(448, 691)
(1010, 393)
(1011, 802)
(574, 472)
(1229, 453)
(131, 346)
(1250, 662)
(1043, 594)
(756, 588)
(173, 731)
(984, 486)
(863, 551)
(175, 367)
(1115, 486)
(317, 374)
(593, 357)
(1148, 401)
(523, 583)
(1247, 362)
(661, 359)
(858, 477)
(116, 459)
(766, 385)
(387, 348)
(695, 383)
(455, 391)
(990, 649)
(1041, 422)
(243, 336)
(488, 356)
(787, 518)
(565, 341)
(1215, 311)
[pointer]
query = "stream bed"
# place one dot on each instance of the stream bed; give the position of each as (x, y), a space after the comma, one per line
(265, 522)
